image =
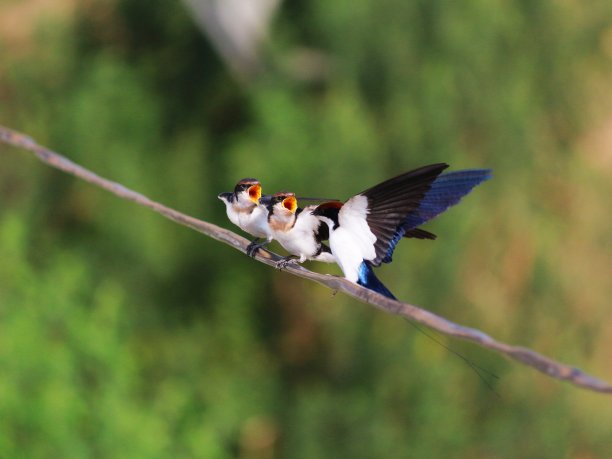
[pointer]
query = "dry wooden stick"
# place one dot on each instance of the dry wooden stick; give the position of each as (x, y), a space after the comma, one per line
(524, 355)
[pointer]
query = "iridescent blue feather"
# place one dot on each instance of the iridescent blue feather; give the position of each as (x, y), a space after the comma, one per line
(368, 279)
(446, 191)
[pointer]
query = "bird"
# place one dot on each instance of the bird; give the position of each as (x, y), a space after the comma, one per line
(247, 208)
(297, 230)
(364, 230)
(301, 233)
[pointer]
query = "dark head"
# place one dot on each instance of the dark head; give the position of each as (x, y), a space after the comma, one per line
(249, 187)
(283, 203)
(328, 212)
(246, 191)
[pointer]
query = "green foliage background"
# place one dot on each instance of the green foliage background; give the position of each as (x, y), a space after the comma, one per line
(124, 335)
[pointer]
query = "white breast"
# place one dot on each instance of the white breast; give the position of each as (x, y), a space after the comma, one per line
(256, 223)
(232, 214)
(300, 239)
(347, 248)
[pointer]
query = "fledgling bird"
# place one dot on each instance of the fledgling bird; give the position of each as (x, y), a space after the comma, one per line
(297, 230)
(247, 209)
(364, 231)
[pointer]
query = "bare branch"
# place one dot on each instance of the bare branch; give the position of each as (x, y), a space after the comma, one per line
(526, 356)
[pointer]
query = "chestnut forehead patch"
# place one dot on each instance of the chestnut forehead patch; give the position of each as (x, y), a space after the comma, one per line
(283, 194)
(248, 181)
(278, 197)
(331, 205)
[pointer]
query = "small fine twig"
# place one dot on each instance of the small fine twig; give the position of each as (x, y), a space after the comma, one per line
(526, 356)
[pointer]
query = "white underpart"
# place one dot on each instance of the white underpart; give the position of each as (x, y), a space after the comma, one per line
(352, 241)
(300, 239)
(252, 220)
(256, 223)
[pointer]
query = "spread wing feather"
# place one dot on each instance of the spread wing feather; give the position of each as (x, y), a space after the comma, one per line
(446, 191)
(389, 203)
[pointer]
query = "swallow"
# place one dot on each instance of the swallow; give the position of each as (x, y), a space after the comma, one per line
(364, 230)
(246, 208)
(299, 231)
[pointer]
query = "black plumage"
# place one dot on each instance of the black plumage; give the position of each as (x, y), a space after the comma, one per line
(391, 201)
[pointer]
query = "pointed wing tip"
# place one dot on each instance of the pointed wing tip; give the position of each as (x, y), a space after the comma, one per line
(484, 174)
(473, 176)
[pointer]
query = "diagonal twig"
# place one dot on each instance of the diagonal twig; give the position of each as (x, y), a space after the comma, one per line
(524, 355)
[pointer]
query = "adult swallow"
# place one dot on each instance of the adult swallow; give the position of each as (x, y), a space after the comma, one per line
(246, 208)
(364, 231)
(299, 231)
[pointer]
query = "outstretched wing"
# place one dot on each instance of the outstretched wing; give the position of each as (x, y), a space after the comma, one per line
(376, 214)
(446, 191)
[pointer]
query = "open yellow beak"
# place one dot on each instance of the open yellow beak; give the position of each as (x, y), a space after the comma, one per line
(255, 193)
(290, 203)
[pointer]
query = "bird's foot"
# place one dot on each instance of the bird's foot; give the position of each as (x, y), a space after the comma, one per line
(286, 261)
(253, 247)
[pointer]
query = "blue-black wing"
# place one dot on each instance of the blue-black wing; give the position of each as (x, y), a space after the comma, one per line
(446, 191)
(390, 202)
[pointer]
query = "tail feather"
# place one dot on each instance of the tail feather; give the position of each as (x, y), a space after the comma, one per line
(446, 191)
(368, 279)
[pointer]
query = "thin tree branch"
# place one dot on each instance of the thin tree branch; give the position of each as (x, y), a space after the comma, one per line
(524, 355)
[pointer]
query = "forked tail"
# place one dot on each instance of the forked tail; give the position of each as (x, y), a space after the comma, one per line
(368, 279)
